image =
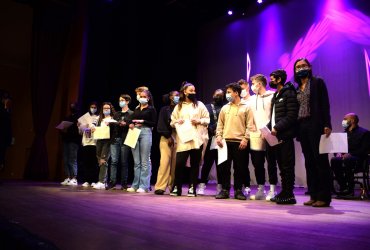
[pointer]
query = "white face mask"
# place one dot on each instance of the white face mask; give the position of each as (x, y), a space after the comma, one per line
(255, 89)
(244, 93)
(345, 124)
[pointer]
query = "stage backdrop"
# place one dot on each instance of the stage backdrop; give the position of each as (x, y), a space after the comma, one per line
(334, 35)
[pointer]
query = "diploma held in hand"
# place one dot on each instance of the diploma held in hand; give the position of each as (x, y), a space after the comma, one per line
(64, 125)
(271, 139)
(101, 133)
(222, 152)
(132, 137)
(335, 143)
(185, 131)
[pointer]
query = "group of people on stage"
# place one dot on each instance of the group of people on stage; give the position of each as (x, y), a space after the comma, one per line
(189, 132)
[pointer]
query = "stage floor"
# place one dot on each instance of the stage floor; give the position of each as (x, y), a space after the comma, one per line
(83, 218)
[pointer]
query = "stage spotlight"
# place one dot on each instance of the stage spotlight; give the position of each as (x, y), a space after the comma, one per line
(259, 1)
(230, 12)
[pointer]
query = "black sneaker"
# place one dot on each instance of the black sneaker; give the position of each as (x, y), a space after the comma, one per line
(159, 192)
(110, 186)
(191, 191)
(286, 199)
(239, 195)
(223, 194)
(124, 187)
(276, 198)
(175, 192)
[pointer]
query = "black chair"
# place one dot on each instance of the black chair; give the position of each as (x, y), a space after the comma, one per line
(361, 177)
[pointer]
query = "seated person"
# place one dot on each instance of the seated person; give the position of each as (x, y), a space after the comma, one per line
(344, 165)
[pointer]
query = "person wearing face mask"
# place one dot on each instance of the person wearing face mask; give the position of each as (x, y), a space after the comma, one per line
(314, 120)
(118, 150)
(88, 152)
(234, 125)
(344, 164)
(167, 146)
(138, 90)
(144, 118)
(283, 123)
(71, 141)
(103, 145)
(245, 98)
(260, 104)
(210, 156)
(194, 115)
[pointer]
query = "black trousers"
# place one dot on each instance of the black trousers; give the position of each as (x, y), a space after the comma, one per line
(210, 158)
(246, 181)
(258, 161)
(344, 170)
(317, 165)
(89, 164)
(271, 165)
(181, 158)
(285, 156)
(237, 157)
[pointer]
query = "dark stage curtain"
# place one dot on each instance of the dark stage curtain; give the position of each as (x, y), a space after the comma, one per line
(51, 26)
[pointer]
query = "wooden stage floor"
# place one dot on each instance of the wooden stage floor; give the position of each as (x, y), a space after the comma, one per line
(83, 218)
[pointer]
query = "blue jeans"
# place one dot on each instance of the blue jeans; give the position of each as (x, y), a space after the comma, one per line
(70, 158)
(142, 165)
(118, 149)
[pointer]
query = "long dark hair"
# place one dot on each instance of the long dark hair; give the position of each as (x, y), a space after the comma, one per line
(296, 78)
(184, 86)
(101, 115)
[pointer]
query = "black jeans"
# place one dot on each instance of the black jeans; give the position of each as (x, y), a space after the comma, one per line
(89, 164)
(237, 157)
(285, 156)
(317, 165)
(181, 158)
(271, 165)
(258, 160)
(246, 181)
(210, 158)
(344, 170)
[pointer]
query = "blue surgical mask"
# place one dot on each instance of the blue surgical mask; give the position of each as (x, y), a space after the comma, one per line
(229, 98)
(143, 100)
(176, 99)
(92, 110)
(122, 104)
(106, 112)
(345, 124)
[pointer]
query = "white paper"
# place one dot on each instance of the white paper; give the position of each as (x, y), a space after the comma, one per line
(85, 119)
(222, 152)
(132, 137)
(271, 139)
(213, 143)
(102, 132)
(335, 143)
(185, 131)
(64, 125)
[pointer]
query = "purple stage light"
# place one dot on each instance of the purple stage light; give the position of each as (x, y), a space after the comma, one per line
(230, 12)
(259, 1)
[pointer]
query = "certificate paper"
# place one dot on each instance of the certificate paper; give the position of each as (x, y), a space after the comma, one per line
(64, 125)
(222, 152)
(132, 137)
(85, 119)
(335, 143)
(271, 139)
(101, 133)
(185, 131)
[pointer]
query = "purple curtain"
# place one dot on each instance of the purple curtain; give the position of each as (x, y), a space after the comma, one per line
(51, 26)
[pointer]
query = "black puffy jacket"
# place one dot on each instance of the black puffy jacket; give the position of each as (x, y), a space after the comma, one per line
(286, 112)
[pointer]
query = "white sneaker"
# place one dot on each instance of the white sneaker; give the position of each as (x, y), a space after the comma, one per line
(93, 184)
(201, 188)
(72, 182)
(219, 188)
(86, 184)
(270, 194)
(247, 191)
(260, 194)
(99, 185)
(65, 182)
(131, 189)
(140, 190)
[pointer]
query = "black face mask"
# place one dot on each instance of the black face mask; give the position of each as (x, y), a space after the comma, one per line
(191, 96)
(218, 100)
(303, 73)
(273, 85)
